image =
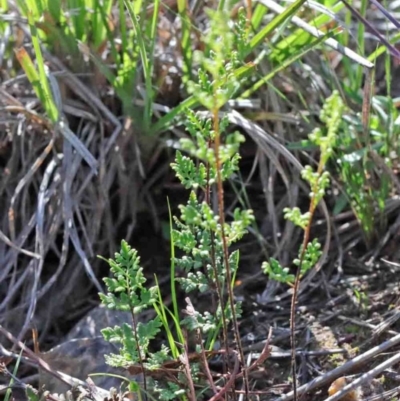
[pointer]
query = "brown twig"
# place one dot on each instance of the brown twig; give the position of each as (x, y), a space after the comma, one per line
(342, 370)
(230, 382)
(221, 211)
(184, 358)
(365, 378)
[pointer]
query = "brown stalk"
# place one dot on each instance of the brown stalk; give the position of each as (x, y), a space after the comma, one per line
(306, 240)
(249, 9)
(225, 246)
(214, 267)
(184, 358)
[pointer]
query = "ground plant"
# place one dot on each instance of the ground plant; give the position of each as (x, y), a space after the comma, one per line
(204, 236)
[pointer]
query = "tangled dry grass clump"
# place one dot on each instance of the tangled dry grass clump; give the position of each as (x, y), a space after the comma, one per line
(58, 212)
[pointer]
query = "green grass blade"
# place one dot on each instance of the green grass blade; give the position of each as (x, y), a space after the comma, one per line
(15, 370)
(147, 67)
(153, 27)
(101, 36)
(275, 23)
(34, 78)
(167, 120)
(138, 7)
(78, 17)
(161, 310)
(283, 65)
(381, 49)
(35, 7)
(186, 43)
(172, 269)
(299, 35)
(258, 15)
(151, 39)
(100, 22)
(44, 93)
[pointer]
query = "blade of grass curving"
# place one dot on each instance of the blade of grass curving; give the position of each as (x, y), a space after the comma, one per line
(104, 13)
(127, 64)
(15, 370)
(258, 15)
(290, 60)
(372, 30)
(161, 310)
(122, 25)
(78, 17)
(138, 6)
(147, 67)
(284, 50)
(31, 73)
(186, 43)
(100, 22)
(381, 49)
(299, 35)
(166, 121)
(317, 34)
(47, 98)
(275, 23)
(153, 27)
(151, 38)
